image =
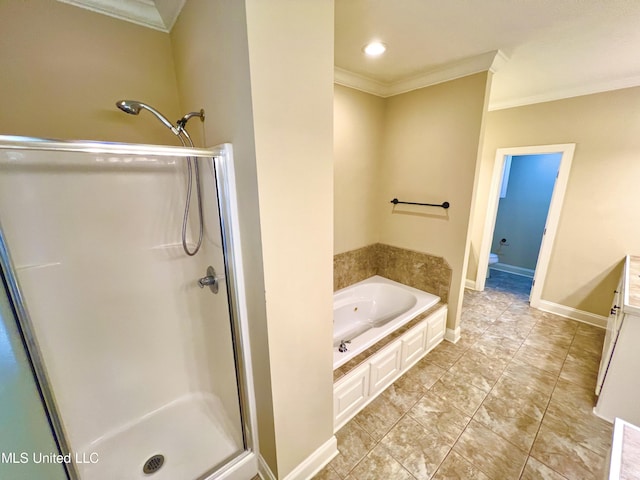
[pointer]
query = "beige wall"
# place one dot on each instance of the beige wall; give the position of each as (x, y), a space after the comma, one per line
(291, 63)
(217, 79)
(358, 134)
(599, 220)
(430, 149)
(63, 69)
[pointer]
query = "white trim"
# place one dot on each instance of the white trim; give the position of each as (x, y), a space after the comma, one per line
(159, 15)
(468, 283)
(230, 191)
(573, 313)
(553, 217)
(316, 461)
(245, 467)
(359, 82)
(561, 94)
(505, 267)
(452, 335)
(489, 61)
(264, 470)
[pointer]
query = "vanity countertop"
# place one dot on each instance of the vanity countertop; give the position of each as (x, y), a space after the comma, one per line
(632, 285)
(625, 452)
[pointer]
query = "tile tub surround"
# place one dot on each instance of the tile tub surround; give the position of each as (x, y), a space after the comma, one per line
(479, 409)
(419, 270)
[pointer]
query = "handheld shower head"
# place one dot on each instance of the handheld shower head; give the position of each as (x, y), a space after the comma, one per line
(133, 107)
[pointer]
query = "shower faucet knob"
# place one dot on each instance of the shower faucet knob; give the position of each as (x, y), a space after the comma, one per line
(210, 280)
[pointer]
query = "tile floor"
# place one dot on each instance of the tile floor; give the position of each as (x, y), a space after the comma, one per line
(511, 400)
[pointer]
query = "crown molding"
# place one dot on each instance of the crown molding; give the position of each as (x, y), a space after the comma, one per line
(489, 61)
(560, 94)
(359, 82)
(158, 15)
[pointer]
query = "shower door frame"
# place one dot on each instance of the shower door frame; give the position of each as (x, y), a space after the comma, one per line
(221, 157)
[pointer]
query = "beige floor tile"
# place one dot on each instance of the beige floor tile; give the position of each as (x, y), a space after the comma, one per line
(468, 338)
(591, 330)
(531, 376)
(523, 308)
(489, 310)
(445, 355)
(378, 417)
(418, 449)
(492, 454)
(327, 473)
(517, 314)
(582, 428)
(507, 421)
(455, 467)
(559, 452)
(495, 346)
(440, 417)
(587, 344)
(515, 330)
(543, 337)
(424, 373)
(378, 465)
(555, 323)
(535, 470)
(477, 369)
(461, 395)
(403, 393)
(524, 398)
(580, 369)
(574, 396)
(549, 358)
(353, 445)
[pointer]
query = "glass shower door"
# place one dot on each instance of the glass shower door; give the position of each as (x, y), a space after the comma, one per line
(25, 429)
(140, 360)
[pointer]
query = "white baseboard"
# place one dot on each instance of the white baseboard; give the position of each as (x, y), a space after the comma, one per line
(316, 461)
(572, 313)
(503, 267)
(264, 470)
(470, 284)
(452, 335)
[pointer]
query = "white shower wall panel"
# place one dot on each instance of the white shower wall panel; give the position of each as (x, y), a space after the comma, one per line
(123, 327)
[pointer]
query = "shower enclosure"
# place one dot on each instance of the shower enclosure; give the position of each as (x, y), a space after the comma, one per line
(143, 372)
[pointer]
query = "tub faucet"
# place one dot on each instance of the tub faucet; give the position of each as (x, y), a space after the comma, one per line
(343, 345)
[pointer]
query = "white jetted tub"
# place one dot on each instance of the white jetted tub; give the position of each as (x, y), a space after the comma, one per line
(369, 310)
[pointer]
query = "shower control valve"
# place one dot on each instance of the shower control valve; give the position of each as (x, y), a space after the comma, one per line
(211, 280)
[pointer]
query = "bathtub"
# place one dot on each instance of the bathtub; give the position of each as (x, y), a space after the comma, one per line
(367, 311)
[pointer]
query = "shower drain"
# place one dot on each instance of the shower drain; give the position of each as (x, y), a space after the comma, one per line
(153, 464)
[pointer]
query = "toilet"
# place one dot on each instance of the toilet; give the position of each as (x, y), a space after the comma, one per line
(493, 258)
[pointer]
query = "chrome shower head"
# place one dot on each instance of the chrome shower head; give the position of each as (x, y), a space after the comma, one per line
(128, 106)
(133, 107)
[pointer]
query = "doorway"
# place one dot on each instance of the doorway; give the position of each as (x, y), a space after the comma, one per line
(527, 249)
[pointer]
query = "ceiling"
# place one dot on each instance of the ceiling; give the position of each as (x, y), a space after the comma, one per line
(540, 50)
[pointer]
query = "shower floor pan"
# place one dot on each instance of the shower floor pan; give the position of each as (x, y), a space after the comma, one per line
(191, 434)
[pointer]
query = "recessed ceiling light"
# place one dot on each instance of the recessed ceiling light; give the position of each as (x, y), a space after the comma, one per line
(374, 49)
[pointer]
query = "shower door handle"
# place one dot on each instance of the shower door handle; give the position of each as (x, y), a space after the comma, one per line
(211, 280)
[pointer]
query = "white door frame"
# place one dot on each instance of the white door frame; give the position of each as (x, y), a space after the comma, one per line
(553, 217)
